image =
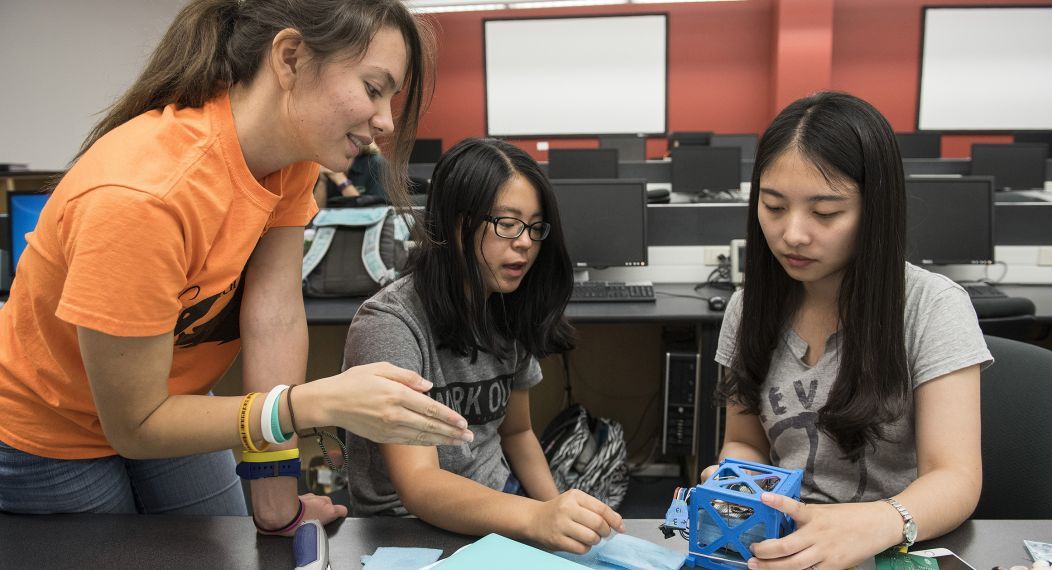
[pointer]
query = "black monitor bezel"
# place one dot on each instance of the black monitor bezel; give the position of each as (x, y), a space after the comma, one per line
(753, 138)
(676, 168)
(642, 184)
(692, 138)
(926, 136)
(430, 141)
(1006, 146)
(1031, 137)
(990, 260)
(638, 140)
(597, 151)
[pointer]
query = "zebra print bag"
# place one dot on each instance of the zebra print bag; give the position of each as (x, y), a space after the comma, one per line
(587, 453)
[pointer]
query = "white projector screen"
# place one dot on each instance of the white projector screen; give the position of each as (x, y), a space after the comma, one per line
(576, 76)
(986, 69)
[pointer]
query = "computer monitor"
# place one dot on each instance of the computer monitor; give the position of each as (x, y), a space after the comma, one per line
(1016, 166)
(920, 145)
(950, 220)
(706, 169)
(629, 147)
(746, 142)
(23, 211)
(605, 221)
(426, 151)
(689, 138)
(1035, 137)
(579, 163)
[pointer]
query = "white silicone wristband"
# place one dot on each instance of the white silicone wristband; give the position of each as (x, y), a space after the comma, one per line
(266, 414)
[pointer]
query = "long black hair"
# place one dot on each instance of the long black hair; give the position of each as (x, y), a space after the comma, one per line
(447, 277)
(847, 140)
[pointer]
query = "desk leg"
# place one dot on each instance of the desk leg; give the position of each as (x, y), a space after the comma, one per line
(709, 415)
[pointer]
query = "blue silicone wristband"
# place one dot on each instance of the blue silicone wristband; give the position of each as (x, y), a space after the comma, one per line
(286, 468)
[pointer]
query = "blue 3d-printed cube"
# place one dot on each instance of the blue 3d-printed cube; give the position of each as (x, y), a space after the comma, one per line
(726, 514)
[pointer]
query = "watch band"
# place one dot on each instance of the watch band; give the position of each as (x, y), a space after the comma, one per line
(909, 527)
(260, 470)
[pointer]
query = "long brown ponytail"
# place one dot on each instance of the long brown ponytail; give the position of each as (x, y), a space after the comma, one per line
(213, 44)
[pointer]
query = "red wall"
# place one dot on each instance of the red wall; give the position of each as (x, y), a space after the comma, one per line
(729, 66)
(876, 55)
(719, 70)
(803, 55)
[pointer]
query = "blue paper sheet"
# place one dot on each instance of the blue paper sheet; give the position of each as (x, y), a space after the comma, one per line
(621, 552)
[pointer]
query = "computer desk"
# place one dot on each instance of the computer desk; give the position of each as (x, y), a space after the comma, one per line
(670, 307)
(181, 542)
(676, 304)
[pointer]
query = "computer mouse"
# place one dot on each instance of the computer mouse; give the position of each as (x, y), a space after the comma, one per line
(717, 303)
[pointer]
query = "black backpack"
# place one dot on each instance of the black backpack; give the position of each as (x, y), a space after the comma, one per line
(587, 453)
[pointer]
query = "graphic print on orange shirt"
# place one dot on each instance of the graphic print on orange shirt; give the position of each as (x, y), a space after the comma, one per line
(213, 319)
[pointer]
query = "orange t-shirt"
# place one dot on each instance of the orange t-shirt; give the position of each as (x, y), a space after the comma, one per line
(148, 233)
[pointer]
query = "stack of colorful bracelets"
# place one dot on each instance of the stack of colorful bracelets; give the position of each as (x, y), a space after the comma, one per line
(257, 462)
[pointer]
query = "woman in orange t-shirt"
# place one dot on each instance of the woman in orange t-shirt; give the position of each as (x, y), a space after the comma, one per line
(175, 242)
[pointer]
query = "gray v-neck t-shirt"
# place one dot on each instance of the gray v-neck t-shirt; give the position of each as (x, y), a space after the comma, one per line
(392, 326)
(942, 335)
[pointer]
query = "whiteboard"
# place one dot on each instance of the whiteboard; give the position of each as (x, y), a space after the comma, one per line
(576, 76)
(986, 69)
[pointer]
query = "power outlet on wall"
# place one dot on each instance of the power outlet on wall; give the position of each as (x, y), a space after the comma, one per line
(1044, 255)
(713, 253)
(542, 145)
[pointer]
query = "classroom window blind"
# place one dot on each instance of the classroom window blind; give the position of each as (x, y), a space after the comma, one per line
(986, 69)
(576, 76)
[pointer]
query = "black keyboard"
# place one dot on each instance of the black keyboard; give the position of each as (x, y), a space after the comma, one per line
(1012, 197)
(606, 291)
(983, 291)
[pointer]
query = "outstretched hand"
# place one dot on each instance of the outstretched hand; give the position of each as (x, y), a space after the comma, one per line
(384, 403)
(827, 537)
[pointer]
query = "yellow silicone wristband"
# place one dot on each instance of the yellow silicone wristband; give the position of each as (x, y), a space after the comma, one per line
(243, 425)
(266, 456)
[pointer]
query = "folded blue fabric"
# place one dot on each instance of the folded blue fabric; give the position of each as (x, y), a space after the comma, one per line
(398, 558)
(621, 551)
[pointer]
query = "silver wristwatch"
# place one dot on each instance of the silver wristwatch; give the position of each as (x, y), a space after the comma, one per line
(909, 528)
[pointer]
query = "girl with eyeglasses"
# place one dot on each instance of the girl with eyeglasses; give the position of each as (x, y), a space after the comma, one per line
(484, 300)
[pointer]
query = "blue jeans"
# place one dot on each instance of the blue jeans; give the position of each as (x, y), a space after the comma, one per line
(513, 487)
(202, 484)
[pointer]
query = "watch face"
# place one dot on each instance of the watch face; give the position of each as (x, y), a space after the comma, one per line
(910, 531)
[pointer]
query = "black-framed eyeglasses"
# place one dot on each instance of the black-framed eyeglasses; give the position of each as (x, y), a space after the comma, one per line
(511, 228)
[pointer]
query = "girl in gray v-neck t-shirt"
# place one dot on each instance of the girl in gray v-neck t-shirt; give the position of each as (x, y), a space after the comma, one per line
(942, 335)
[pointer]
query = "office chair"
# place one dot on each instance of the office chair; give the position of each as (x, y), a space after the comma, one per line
(1009, 317)
(1024, 328)
(1016, 406)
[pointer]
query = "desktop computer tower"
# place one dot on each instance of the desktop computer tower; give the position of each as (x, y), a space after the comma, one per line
(679, 432)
